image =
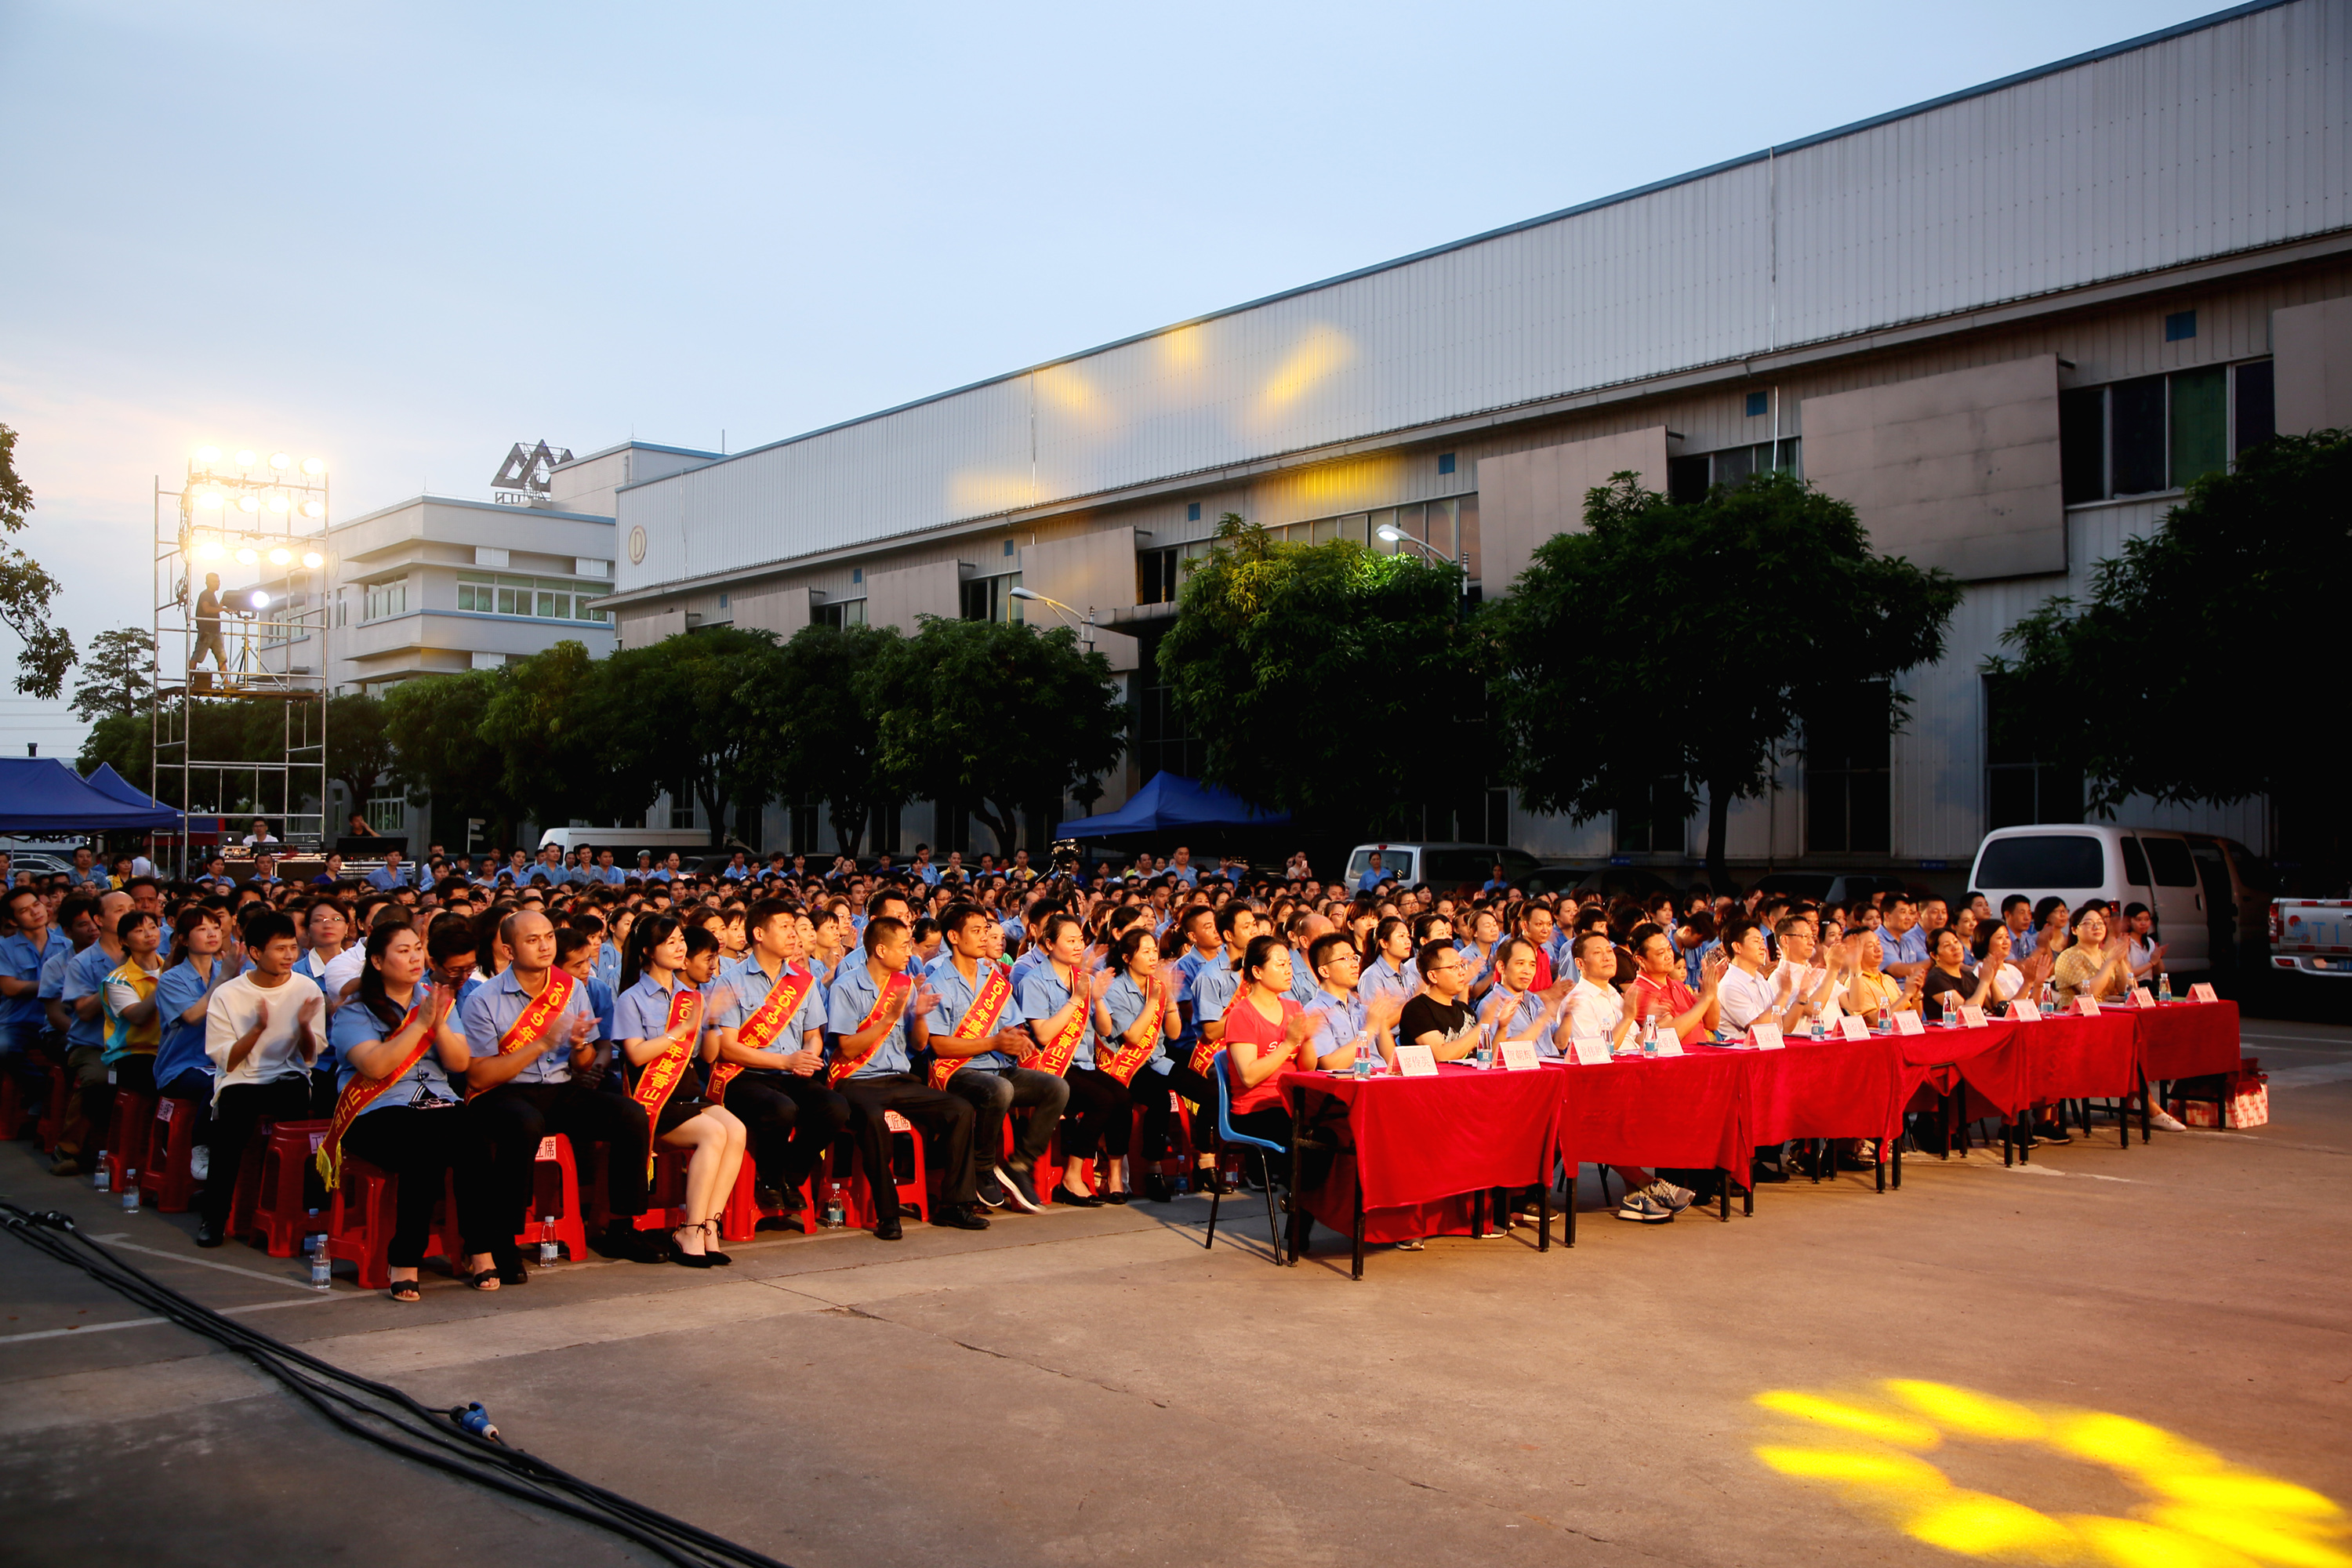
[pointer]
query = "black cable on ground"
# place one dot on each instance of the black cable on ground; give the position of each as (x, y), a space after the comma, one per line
(382, 1415)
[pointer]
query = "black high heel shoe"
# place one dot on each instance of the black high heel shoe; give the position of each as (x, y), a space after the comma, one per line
(711, 1245)
(681, 1257)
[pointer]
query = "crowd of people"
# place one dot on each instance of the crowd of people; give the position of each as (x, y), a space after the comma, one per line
(447, 1018)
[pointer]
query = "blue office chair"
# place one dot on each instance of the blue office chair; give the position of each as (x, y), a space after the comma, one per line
(1244, 1142)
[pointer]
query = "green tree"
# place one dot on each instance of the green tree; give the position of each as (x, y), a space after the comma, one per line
(436, 726)
(2160, 678)
(1328, 680)
(673, 715)
(25, 589)
(991, 714)
(219, 731)
(359, 747)
(1669, 649)
(551, 722)
(812, 736)
(120, 671)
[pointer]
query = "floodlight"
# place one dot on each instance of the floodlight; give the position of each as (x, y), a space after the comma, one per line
(1389, 532)
(208, 456)
(210, 550)
(245, 459)
(279, 504)
(260, 600)
(248, 503)
(280, 461)
(248, 555)
(209, 499)
(281, 556)
(313, 560)
(314, 509)
(314, 467)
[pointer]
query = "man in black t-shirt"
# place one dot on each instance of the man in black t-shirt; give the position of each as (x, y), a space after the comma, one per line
(1439, 1015)
(208, 632)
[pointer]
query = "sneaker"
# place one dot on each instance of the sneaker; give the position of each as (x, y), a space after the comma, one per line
(200, 1163)
(1644, 1210)
(1015, 1182)
(991, 1191)
(1668, 1195)
(2165, 1121)
(1410, 1244)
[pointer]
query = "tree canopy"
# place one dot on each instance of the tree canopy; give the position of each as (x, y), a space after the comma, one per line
(46, 650)
(118, 673)
(1667, 649)
(1327, 679)
(811, 734)
(2161, 673)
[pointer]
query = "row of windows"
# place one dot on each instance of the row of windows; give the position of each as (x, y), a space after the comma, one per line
(385, 599)
(1449, 529)
(2155, 433)
(1690, 477)
(546, 598)
(990, 599)
(840, 612)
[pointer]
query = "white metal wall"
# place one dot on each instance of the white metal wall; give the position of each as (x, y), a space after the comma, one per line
(2192, 146)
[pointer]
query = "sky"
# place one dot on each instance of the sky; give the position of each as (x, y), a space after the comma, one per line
(402, 238)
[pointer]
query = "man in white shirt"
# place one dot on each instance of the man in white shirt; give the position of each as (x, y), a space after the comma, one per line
(1810, 989)
(1595, 1010)
(262, 1032)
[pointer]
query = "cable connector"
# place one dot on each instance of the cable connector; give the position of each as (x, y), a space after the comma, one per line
(477, 1420)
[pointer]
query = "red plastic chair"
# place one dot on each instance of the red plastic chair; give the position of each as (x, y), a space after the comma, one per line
(269, 1189)
(555, 1195)
(362, 1214)
(166, 1175)
(914, 1189)
(740, 1216)
(130, 1130)
(666, 1202)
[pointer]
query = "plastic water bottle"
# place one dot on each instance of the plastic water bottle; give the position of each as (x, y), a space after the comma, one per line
(1649, 1036)
(547, 1241)
(836, 1216)
(129, 1190)
(2163, 986)
(99, 1178)
(322, 1268)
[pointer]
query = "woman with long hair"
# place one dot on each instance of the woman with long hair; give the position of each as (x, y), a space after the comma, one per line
(1266, 1032)
(1134, 1021)
(659, 1021)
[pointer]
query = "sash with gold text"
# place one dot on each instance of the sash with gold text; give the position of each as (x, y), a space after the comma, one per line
(357, 1096)
(843, 1067)
(1128, 1060)
(767, 1022)
(539, 1014)
(659, 1078)
(1062, 1049)
(979, 1020)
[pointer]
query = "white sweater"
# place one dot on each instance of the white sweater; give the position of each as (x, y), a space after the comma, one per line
(236, 1005)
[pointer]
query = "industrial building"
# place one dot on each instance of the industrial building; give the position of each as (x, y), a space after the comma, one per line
(2007, 325)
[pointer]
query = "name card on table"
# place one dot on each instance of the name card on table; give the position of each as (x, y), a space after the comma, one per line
(2025, 1011)
(1907, 1022)
(1972, 1017)
(1415, 1061)
(1519, 1056)
(1591, 1050)
(1669, 1043)
(1765, 1037)
(2087, 1007)
(2143, 997)
(2200, 992)
(1852, 1028)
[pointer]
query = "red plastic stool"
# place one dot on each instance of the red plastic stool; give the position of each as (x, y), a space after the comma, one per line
(362, 1213)
(166, 1175)
(555, 1195)
(53, 1120)
(914, 1190)
(129, 1131)
(665, 1199)
(271, 1202)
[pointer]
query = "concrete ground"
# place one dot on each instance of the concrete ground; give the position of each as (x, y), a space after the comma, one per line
(1092, 1386)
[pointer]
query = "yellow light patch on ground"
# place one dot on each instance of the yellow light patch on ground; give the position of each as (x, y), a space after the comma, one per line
(1886, 1426)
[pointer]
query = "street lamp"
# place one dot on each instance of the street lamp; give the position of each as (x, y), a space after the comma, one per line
(1396, 535)
(1084, 624)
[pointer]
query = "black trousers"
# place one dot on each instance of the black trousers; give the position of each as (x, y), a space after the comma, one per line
(238, 1111)
(513, 1117)
(946, 1118)
(418, 1144)
(1150, 1090)
(994, 1092)
(792, 1120)
(1099, 1118)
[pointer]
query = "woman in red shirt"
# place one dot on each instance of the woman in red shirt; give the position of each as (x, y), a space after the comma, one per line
(1266, 1032)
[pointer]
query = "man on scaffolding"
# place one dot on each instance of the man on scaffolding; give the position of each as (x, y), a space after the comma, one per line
(208, 627)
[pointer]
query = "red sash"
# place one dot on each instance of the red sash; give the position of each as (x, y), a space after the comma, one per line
(658, 1078)
(1124, 1063)
(979, 1021)
(766, 1022)
(539, 1014)
(357, 1096)
(843, 1067)
(1062, 1049)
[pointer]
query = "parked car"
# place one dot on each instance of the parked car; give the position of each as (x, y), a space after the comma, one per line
(1834, 887)
(1450, 866)
(2210, 895)
(2312, 936)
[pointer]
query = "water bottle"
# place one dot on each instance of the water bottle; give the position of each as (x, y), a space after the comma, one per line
(2163, 986)
(99, 1178)
(129, 1191)
(1649, 1036)
(547, 1241)
(836, 1216)
(322, 1268)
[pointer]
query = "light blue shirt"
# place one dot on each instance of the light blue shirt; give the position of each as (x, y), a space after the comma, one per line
(1517, 1021)
(1213, 990)
(19, 960)
(956, 996)
(848, 1003)
(488, 1009)
(928, 872)
(424, 1084)
(1042, 995)
(1125, 1002)
(85, 975)
(388, 879)
(743, 985)
(182, 1046)
(1911, 947)
(1337, 1019)
(1380, 978)
(642, 1012)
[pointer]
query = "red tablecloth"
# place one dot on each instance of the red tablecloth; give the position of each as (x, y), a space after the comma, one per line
(1419, 1143)
(2075, 1057)
(1825, 1088)
(1995, 1063)
(2187, 1040)
(1688, 1112)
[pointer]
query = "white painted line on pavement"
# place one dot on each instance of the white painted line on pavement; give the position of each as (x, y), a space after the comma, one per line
(80, 1329)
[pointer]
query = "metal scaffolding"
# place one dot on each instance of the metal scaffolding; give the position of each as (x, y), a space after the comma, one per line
(240, 692)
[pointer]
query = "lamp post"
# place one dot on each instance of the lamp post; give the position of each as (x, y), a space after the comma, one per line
(1085, 625)
(1396, 535)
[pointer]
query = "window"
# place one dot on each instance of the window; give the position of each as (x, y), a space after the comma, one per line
(1444, 462)
(682, 807)
(385, 599)
(2169, 859)
(542, 598)
(1192, 512)
(1008, 547)
(2033, 861)
(723, 601)
(1756, 404)
(1160, 574)
(857, 574)
(387, 812)
(2134, 863)
(1688, 478)
(842, 613)
(2157, 433)
(990, 599)
(1164, 742)
(1848, 782)
(2020, 789)
(1654, 826)
(2179, 325)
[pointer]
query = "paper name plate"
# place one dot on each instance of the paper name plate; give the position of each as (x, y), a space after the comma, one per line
(1591, 1050)
(1415, 1061)
(2025, 1011)
(2143, 997)
(1972, 1017)
(1765, 1037)
(1908, 1023)
(1852, 1028)
(1519, 1056)
(2086, 1007)
(2202, 991)
(1670, 1044)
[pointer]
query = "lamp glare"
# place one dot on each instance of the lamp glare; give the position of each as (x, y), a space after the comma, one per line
(1389, 532)
(313, 560)
(248, 556)
(314, 508)
(280, 461)
(209, 501)
(248, 503)
(314, 467)
(210, 550)
(279, 504)
(281, 556)
(208, 456)
(245, 459)
(260, 600)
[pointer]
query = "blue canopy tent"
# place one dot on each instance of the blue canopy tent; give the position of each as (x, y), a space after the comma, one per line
(41, 794)
(107, 782)
(1168, 802)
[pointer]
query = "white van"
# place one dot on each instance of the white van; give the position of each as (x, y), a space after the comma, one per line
(1450, 866)
(624, 842)
(2201, 887)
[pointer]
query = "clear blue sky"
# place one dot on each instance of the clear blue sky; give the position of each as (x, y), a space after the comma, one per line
(404, 238)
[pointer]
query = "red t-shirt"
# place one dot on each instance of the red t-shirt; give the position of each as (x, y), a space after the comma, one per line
(1248, 1029)
(1669, 1001)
